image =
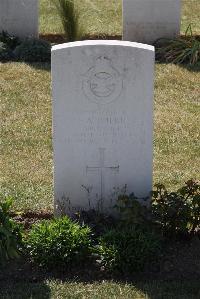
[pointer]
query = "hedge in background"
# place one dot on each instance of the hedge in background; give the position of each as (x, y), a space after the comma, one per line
(29, 50)
(33, 50)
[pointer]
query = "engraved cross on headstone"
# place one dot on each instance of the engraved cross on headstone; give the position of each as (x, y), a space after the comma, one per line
(101, 168)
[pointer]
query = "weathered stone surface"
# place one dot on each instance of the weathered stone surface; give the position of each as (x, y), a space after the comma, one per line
(102, 122)
(19, 17)
(146, 21)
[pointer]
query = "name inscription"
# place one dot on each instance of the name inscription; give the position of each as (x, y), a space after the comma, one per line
(100, 127)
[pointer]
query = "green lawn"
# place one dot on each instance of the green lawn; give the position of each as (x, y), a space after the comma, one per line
(26, 149)
(97, 16)
(56, 289)
(105, 16)
(26, 145)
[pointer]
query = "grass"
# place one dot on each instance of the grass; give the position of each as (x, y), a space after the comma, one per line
(190, 15)
(69, 15)
(105, 16)
(92, 14)
(26, 145)
(176, 131)
(26, 149)
(56, 289)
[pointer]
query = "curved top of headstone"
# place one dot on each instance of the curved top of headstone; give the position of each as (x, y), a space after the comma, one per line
(103, 43)
(102, 122)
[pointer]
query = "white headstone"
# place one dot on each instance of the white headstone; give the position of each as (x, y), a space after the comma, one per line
(102, 122)
(19, 17)
(148, 20)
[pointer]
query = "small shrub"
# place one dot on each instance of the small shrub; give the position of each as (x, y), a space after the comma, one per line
(179, 50)
(98, 222)
(130, 209)
(10, 233)
(58, 242)
(128, 250)
(70, 19)
(33, 50)
(177, 212)
(11, 41)
(5, 52)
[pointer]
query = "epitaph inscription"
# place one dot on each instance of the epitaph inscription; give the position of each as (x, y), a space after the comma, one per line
(101, 127)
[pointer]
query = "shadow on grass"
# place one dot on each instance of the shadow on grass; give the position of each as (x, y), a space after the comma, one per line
(60, 38)
(36, 65)
(148, 290)
(24, 290)
(169, 289)
(46, 66)
(22, 280)
(191, 68)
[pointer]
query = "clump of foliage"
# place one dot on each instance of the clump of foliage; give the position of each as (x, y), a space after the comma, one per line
(28, 50)
(10, 40)
(177, 212)
(33, 50)
(179, 50)
(128, 249)
(70, 19)
(5, 52)
(58, 242)
(10, 233)
(173, 212)
(7, 44)
(130, 209)
(98, 222)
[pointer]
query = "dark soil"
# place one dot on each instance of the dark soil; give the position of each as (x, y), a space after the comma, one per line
(60, 38)
(29, 218)
(180, 259)
(180, 262)
(53, 38)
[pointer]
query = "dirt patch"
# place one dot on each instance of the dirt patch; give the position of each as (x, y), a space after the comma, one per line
(60, 38)
(53, 38)
(180, 259)
(29, 218)
(180, 262)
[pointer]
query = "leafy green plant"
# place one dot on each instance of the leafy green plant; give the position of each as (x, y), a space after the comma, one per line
(58, 242)
(128, 249)
(10, 233)
(98, 222)
(70, 19)
(177, 212)
(131, 211)
(179, 50)
(33, 50)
